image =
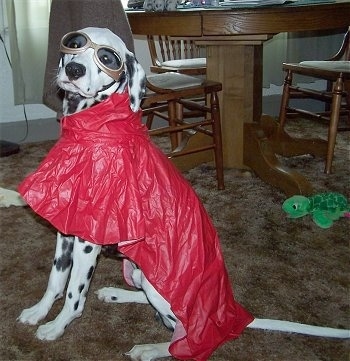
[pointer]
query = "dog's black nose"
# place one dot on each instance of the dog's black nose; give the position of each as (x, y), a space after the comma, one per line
(74, 70)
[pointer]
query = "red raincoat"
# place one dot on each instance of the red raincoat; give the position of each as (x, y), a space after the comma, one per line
(106, 182)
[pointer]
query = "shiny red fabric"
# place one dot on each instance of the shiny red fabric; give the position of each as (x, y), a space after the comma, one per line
(106, 182)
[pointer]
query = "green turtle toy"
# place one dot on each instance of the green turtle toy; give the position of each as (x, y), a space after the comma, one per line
(324, 208)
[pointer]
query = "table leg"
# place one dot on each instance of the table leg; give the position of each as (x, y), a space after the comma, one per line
(263, 140)
(250, 140)
(239, 69)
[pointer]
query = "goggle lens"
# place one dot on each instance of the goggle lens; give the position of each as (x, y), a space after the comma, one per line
(105, 57)
(109, 58)
(74, 41)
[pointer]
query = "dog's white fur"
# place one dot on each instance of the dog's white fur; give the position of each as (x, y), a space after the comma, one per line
(9, 198)
(77, 258)
(91, 85)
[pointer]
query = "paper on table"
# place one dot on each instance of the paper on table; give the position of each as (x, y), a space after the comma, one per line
(252, 2)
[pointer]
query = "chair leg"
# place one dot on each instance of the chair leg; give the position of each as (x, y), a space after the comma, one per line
(172, 105)
(219, 163)
(149, 120)
(285, 99)
(179, 118)
(347, 99)
(333, 126)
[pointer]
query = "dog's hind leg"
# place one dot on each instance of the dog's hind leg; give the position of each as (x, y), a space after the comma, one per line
(119, 295)
(57, 282)
(149, 352)
(149, 294)
(84, 262)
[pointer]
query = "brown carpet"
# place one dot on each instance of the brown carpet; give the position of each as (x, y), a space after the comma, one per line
(280, 268)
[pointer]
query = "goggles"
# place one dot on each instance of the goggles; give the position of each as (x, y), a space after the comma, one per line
(105, 57)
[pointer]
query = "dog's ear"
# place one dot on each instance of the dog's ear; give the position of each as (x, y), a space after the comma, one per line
(136, 81)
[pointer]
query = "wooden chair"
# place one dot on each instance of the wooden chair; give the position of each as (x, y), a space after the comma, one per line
(180, 55)
(175, 54)
(336, 71)
(169, 95)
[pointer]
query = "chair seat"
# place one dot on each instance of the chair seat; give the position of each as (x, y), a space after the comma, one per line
(338, 66)
(173, 81)
(186, 63)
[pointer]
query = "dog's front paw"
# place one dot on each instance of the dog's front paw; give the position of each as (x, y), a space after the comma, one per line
(149, 352)
(50, 331)
(32, 315)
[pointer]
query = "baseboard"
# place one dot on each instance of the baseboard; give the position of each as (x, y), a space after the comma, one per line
(35, 130)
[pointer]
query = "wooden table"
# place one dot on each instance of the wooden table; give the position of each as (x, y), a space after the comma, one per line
(234, 39)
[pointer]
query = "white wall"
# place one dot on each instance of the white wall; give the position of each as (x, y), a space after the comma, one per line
(8, 111)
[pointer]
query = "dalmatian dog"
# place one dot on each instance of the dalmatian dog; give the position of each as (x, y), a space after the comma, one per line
(89, 73)
(87, 82)
(95, 64)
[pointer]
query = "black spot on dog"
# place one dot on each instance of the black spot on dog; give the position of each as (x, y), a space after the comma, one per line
(64, 245)
(90, 273)
(57, 296)
(132, 99)
(81, 287)
(64, 262)
(170, 317)
(81, 240)
(164, 319)
(74, 100)
(88, 249)
(122, 79)
(130, 66)
(143, 86)
(113, 298)
(76, 305)
(104, 97)
(70, 295)
(70, 248)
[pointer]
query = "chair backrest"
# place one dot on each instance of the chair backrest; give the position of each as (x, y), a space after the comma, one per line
(344, 51)
(164, 48)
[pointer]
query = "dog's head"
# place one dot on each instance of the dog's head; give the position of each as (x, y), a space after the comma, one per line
(95, 63)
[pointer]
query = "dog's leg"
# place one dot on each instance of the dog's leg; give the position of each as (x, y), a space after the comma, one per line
(150, 295)
(119, 295)
(84, 263)
(57, 281)
(149, 352)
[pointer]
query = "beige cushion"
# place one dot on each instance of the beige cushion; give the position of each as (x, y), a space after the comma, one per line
(173, 80)
(341, 66)
(186, 63)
